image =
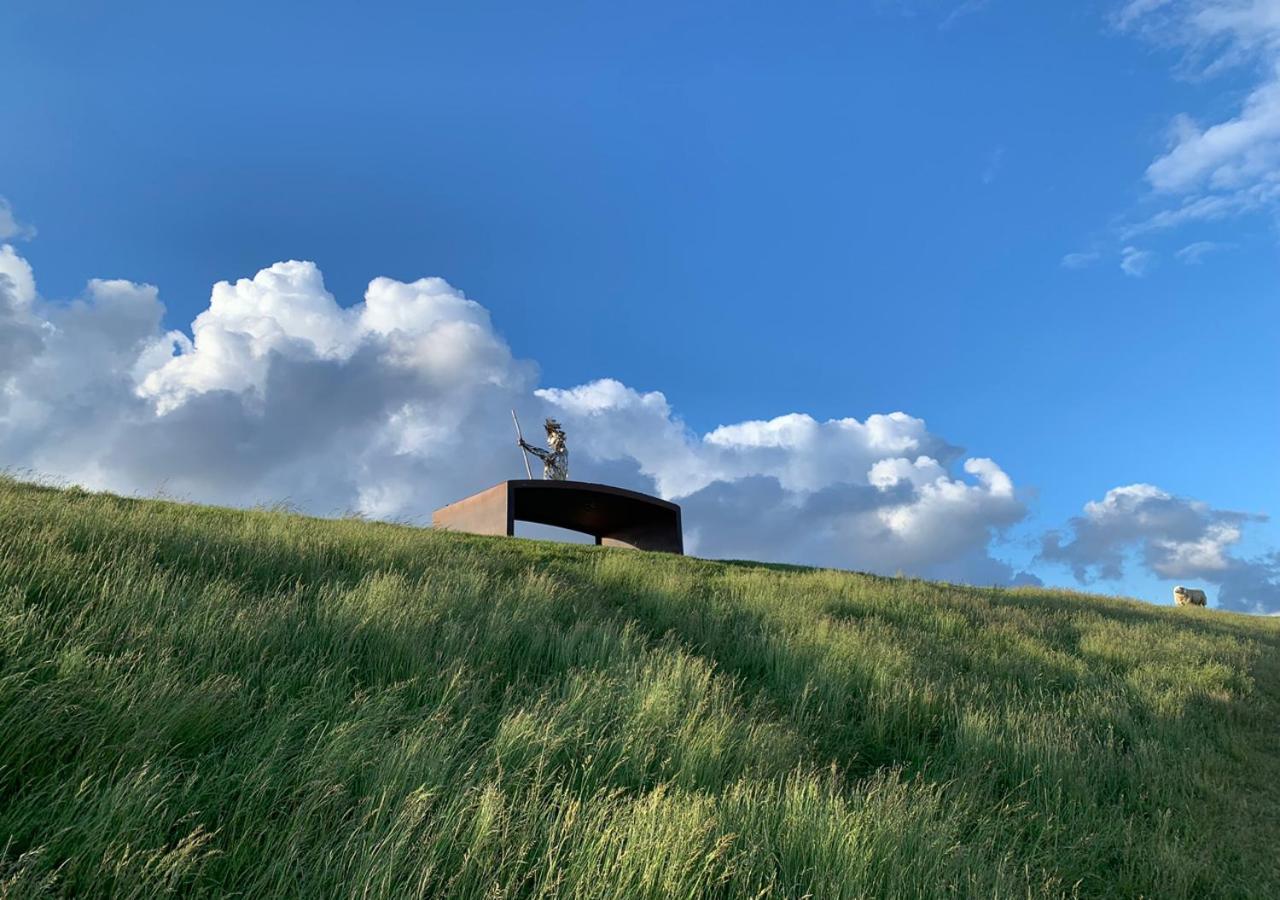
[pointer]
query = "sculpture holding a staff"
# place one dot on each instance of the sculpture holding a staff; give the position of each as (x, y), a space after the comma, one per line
(555, 460)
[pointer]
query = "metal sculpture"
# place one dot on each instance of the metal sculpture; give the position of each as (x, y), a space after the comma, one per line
(555, 461)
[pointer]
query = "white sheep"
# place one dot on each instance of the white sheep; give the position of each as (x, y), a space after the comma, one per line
(1184, 596)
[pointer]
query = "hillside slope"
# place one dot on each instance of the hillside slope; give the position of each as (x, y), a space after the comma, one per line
(197, 700)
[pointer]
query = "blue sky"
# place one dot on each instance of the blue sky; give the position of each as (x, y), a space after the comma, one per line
(944, 208)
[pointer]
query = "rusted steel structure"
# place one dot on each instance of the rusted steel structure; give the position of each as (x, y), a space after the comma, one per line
(614, 516)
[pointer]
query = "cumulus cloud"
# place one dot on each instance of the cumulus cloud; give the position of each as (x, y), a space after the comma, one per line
(280, 393)
(20, 332)
(878, 494)
(1173, 538)
(399, 403)
(1232, 165)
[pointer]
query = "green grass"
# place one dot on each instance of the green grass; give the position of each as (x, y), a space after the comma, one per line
(206, 701)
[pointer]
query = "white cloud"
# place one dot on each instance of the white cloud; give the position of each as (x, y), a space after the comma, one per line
(285, 310)
(1194, 253)
(1135, 10)
(1173, 538)
(10, 228)
(21, 338)
(1229, 166)
(1080, 260)
(963, 9)
(1231, 154)
(16, 273)
(1135, 262)
(399, 404)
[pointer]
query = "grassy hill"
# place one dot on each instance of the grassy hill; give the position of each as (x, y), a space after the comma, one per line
(197, 700)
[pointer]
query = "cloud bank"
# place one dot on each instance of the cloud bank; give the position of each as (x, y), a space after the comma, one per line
(1173, 538)
(878, 495)
(399, 403)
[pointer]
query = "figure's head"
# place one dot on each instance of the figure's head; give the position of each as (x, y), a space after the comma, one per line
(555, 434)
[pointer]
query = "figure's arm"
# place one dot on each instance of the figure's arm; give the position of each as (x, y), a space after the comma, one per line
(536, 451)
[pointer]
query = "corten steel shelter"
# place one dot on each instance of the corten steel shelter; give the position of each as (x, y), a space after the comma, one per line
(614, 516)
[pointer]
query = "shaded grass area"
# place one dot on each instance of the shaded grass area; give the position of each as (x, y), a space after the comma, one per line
(197, 701)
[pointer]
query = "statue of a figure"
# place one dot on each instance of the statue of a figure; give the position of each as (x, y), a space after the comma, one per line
(555, 462)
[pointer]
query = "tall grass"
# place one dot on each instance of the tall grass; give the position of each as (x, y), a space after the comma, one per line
(203, 701)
